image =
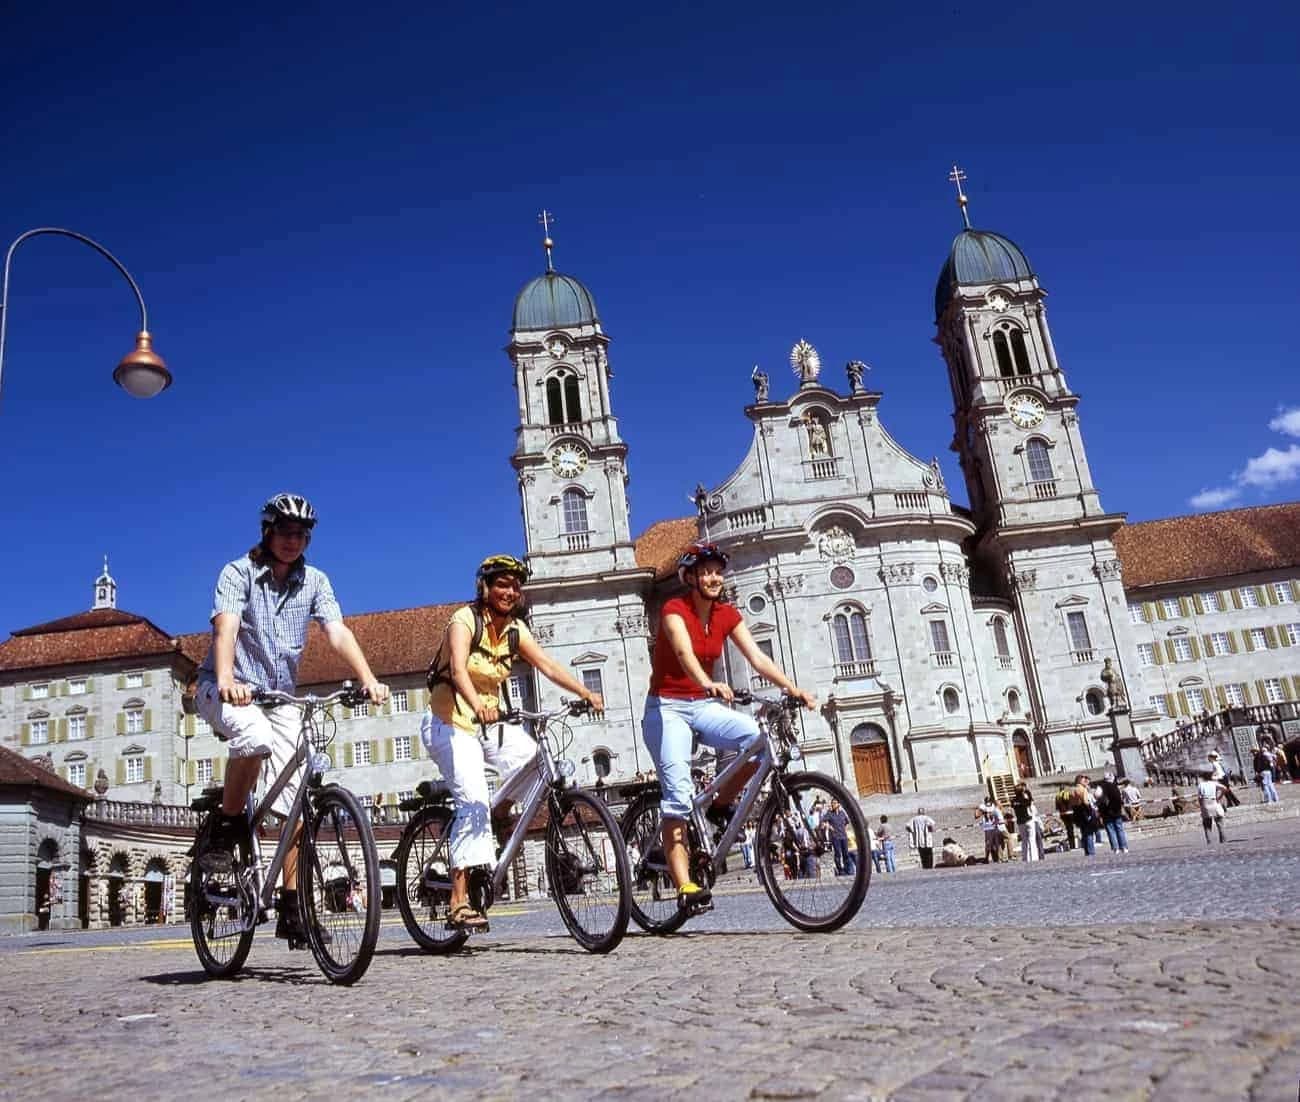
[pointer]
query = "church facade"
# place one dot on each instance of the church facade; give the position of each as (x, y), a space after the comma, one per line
(946, 642)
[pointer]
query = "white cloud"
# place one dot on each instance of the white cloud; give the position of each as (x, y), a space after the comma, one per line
(1214, 499)
(1286, 422)
(1272, 467)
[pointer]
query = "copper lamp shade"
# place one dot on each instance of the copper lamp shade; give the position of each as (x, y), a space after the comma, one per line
(142, 373)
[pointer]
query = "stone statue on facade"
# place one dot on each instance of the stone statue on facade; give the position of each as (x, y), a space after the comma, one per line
(1114, 686)
(759, 379)
(855, 369)
(819, 444)
(806, 362)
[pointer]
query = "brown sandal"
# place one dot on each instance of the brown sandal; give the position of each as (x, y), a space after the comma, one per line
(464, 917)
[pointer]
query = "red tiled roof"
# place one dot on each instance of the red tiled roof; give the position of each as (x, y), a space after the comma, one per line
(1210, 545)
(660, 545)
(136, 638)
(95, 618)
(18, 770)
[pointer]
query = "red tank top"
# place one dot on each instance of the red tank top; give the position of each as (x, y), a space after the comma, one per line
(667, 678)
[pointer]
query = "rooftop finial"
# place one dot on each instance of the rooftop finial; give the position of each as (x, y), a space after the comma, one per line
(546, 218)
(957, 176)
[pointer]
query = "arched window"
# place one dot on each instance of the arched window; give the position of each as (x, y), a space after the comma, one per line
(1094, 702)
(572, 402)
(1000, 637)
(575, 512)
(852, 642)
(1040, 462)
(1019, 352)
(601, 760)
(1002, 353)
(1013, 702)
(554, 402)
(951, 701)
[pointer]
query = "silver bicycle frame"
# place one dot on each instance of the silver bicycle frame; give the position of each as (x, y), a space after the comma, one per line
(531, 803)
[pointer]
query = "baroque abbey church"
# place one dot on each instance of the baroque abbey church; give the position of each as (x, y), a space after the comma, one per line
(946, 642)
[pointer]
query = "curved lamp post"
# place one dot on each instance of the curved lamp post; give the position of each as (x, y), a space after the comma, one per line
(142, 373)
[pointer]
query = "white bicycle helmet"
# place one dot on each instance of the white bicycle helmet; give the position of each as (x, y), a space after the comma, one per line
(289, 507)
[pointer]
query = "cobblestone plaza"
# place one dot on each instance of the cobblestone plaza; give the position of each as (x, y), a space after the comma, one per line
(1168, 973)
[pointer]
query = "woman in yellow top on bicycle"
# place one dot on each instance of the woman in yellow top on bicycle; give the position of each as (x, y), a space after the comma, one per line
(475, 657)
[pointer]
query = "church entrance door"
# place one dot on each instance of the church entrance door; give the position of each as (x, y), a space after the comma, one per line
(871, 768)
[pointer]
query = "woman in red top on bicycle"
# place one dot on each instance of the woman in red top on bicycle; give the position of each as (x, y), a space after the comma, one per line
(684, 699)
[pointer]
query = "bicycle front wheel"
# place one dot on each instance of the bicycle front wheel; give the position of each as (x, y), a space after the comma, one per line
(221, 907)
(586, 865)
(814, 888)
(424, 881)
(654, 895)
(339, 890)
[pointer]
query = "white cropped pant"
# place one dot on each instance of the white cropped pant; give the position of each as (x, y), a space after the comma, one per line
(461, 758)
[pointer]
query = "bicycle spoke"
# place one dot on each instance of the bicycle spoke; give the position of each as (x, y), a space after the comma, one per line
(587, 870)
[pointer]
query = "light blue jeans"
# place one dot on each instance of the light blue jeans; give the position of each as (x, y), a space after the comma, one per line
(1269, 788)
(668, 726)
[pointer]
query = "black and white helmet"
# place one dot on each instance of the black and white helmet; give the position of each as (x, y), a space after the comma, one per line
(289, 507)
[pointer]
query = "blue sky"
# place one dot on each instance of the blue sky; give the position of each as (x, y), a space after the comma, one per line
(331, 210)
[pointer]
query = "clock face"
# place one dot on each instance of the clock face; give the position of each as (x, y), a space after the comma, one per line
(1026, 410)
(568, 460)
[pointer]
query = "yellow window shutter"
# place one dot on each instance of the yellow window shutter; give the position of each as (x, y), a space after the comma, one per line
(59, 733)
(349, 756)
(1160, 610)
(1270, 637)
(1198, 604)
(1169, 650)
(1245, 638)
(148, 719)
(1184, 606)
(1148, 611)
(1223, 697)
(1156, 651)
(388, 706)
(90, 727)
(1195, 645)
(1232, 642)
(191, 772)
(121, 681)
(27, 692)
(1207, 646)
(121, 771)
(1246, 694)
(388, 749)
(329, 753)
(189, 726)
(25, 735)
(1236, 597)
(148, 677)
(148, 767)
(374, 751)
(1283, 637)
(347, 712)
(1295, 590)
(218, 769)
(1264, 596)
(121, 723)
(1261, 692)
(1183, 708)
(1295, 694)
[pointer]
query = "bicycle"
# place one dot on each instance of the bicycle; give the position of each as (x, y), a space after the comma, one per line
(585, 861)
(339, 890)
(788, 854)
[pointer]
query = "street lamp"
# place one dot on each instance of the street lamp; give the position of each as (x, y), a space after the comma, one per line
(142, 372)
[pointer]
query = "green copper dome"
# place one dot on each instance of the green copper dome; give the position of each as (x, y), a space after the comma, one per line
(978, 256)
(554, 301)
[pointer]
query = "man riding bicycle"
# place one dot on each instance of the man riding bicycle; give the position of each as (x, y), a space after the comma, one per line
(260, 612)
(684, 699)
(474, 659)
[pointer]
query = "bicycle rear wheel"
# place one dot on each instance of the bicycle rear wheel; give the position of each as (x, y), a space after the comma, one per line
(808, 889)
(654, 895)
(424, 881)
(339, 890)
(221, 909)
(586, 865)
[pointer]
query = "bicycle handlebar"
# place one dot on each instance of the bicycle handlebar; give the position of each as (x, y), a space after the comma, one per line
(566, 708)
(349, 696)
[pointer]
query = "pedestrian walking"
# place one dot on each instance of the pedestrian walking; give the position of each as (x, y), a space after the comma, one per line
(1264, 763)
(1026, 814)
(836, 822)
(990, 818)
(1110, 803)
(885, 838)
(1208, 793)
(1086, 820)
(920, 834)
(747, 845)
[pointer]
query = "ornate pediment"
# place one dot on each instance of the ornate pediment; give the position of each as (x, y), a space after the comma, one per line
(134, 748)
(1074, 600)
(934, 606)
(588, 658)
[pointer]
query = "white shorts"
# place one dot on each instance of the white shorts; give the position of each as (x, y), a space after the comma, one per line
(251, 731)
(461, 758)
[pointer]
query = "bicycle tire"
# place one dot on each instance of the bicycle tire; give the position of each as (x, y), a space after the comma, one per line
(587, 870)
(339, 887)
(654, 895)
(221, 940)
(837, 897)
(424, 881)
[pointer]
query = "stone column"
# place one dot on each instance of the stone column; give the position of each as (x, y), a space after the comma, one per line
(1126, 747)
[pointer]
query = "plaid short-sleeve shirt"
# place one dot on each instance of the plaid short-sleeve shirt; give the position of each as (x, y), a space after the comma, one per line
(272, 620)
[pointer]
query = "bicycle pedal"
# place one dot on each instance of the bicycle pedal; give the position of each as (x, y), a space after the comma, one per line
(691, 910)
